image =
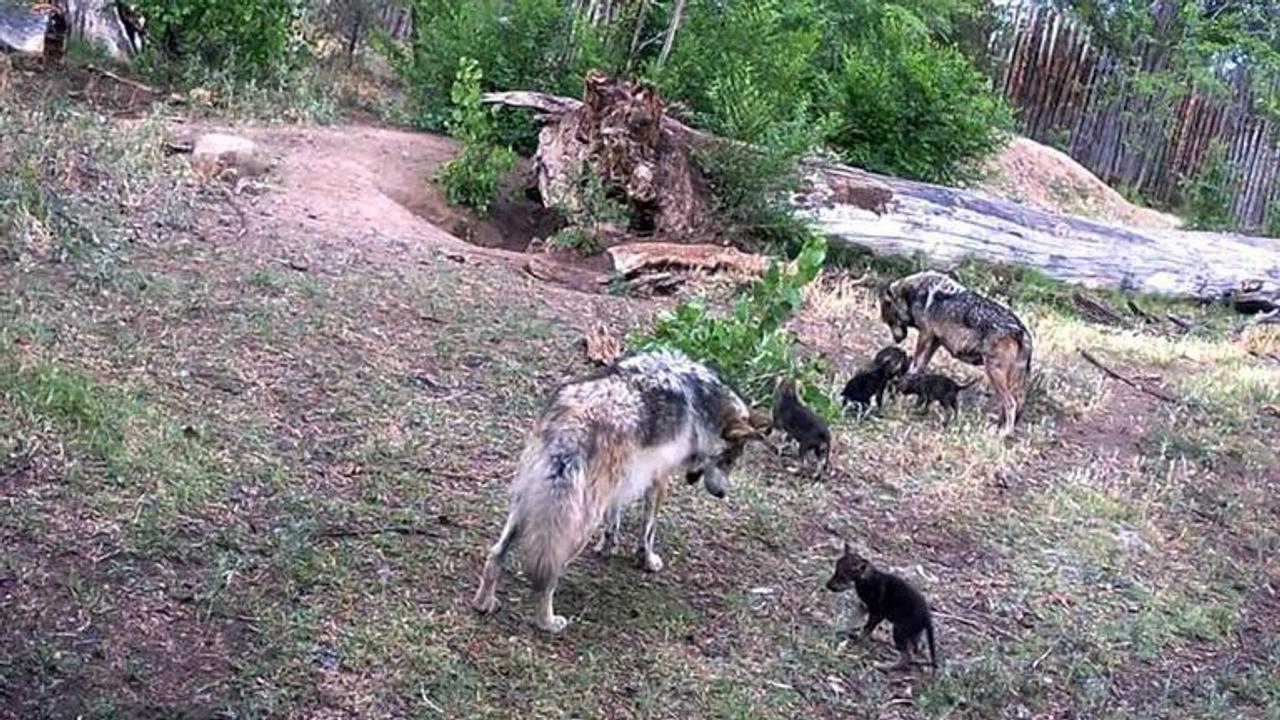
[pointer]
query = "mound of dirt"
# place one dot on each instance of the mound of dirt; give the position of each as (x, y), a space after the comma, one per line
(1042, 177)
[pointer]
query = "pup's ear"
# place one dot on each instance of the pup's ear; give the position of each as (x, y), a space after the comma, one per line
(848, 549)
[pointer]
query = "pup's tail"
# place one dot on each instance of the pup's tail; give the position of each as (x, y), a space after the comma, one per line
(933, 650)
(550, 498)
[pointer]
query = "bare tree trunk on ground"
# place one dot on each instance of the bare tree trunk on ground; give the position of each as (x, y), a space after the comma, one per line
(618, 132)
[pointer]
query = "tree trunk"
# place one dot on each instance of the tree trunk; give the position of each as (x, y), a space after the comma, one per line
(677, 14)
(897, 217)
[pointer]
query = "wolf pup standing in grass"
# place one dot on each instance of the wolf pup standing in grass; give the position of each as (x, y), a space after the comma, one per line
(601, 444)
(886, 597)
(801, 424)
(974, 329)
(932, 387)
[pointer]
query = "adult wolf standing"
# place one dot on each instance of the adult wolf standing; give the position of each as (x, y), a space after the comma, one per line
(602, 443)
(973, 328)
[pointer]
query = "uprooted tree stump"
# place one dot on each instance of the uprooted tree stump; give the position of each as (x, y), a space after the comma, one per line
(619, 134)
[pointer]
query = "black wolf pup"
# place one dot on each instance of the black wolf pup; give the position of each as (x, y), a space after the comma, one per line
(886, 597)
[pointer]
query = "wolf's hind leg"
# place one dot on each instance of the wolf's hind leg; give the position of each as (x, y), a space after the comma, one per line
(486, 599)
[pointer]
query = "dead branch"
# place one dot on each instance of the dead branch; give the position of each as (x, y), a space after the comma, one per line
(1143, 315)
(122, 80)
(1183, 323)
(342, 532)
(1153, 392)
(1096, 310)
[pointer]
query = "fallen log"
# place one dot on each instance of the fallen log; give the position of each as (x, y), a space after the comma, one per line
(632, 258)
(943, 226)
(946, 226)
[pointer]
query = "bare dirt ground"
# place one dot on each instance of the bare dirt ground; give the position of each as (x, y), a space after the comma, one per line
(253, 444)
(1048, 179)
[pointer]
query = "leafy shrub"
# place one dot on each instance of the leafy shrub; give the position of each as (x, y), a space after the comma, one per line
(247, 38)
(473, 176)
(518, 44)
(1207, 194)
(903, 105)
(748, 346)
(745, 70)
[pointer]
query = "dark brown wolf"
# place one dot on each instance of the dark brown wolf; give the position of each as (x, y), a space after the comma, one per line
(974, 329)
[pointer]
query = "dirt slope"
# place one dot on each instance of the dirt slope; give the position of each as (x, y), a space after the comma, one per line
(1048, 179)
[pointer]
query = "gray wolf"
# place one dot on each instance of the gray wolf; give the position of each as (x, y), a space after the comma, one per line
(603, 442)
(886, 597)
(801, 424)
(974, 329)
(932, 387)
(871, 382)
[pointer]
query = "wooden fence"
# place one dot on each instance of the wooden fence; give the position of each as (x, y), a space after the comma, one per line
(1132, 133)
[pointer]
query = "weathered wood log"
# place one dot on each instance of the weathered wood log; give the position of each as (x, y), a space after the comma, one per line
(945, 226)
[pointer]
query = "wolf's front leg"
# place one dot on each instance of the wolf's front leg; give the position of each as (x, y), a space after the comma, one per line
(926, 345)
(649, 559)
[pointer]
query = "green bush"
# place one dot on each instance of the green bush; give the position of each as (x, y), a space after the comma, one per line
(746, 70)
(472, 178)
(247, 38)
(748, 346)
(906, 106)
(1207, 195)
(518, 45)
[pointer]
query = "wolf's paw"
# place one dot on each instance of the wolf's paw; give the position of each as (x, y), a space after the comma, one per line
(651, 562)
(556, 625)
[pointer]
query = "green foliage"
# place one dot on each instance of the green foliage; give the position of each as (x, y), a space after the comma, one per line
(472, 178)
(903, 105)
(749, 346)
(518, 44)
(746, 70)
(597, 211)
(1271, 221)
(247, 38)
(1207, 194)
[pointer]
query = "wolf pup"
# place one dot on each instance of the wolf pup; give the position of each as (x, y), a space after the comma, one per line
(932, 387)
(886, 597)
(602, 443)
(872, 381)
(801, 424)
(973, 328)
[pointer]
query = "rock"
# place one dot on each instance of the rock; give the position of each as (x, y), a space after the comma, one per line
(218, 154)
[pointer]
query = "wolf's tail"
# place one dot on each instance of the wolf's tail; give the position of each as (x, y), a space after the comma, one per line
(1022, 371)
(550, 500)
(933, 649)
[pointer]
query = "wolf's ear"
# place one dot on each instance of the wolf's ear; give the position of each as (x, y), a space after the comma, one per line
(739, 429)
(848, 549)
